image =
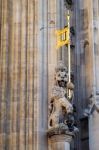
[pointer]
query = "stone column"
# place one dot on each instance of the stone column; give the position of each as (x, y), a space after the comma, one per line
(94, 115)
(19, 75)
(60, 142)
(94, 131)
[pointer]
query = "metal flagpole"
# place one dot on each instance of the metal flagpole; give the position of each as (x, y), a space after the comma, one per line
(69, 52)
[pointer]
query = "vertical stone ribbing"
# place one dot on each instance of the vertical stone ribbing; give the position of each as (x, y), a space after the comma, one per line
(30, 75)
(16, 7)
(19, 74)
(43, 72)
(3, 77)
(36, 75)
(28, 55)
(94, 117)
(10, 78)
(24, 71)
(83, 58)
(23, 80)
(52, 51)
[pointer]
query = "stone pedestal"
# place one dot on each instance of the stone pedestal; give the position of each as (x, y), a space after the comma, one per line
(94, 131)
(60, 142)
(60, 138)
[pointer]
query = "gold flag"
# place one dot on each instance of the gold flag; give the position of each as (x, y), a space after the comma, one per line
(62, 37)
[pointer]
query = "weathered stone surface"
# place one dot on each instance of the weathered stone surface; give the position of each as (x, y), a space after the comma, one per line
(60, 129)
(28, 57)
(60, 142)
(94, 131)
(19, 83)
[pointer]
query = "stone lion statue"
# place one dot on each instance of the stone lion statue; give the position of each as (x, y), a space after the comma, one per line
(60, 107)
(61, 79)
(61, 75)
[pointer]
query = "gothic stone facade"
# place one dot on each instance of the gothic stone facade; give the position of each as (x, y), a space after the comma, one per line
(28, 58)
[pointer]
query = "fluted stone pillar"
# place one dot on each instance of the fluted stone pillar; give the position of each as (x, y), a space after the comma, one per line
(19, 76)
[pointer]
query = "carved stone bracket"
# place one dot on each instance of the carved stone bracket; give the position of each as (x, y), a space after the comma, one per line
(62, 129)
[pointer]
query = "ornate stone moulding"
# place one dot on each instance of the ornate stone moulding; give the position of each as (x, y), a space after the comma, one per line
(61, 130)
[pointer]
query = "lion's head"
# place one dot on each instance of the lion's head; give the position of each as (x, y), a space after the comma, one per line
(61, 75)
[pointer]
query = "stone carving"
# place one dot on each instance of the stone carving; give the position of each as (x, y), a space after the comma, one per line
(93, 105)
(68, 3)
(60, 107)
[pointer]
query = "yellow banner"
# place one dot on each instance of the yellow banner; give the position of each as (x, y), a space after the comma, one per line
(62, 37)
